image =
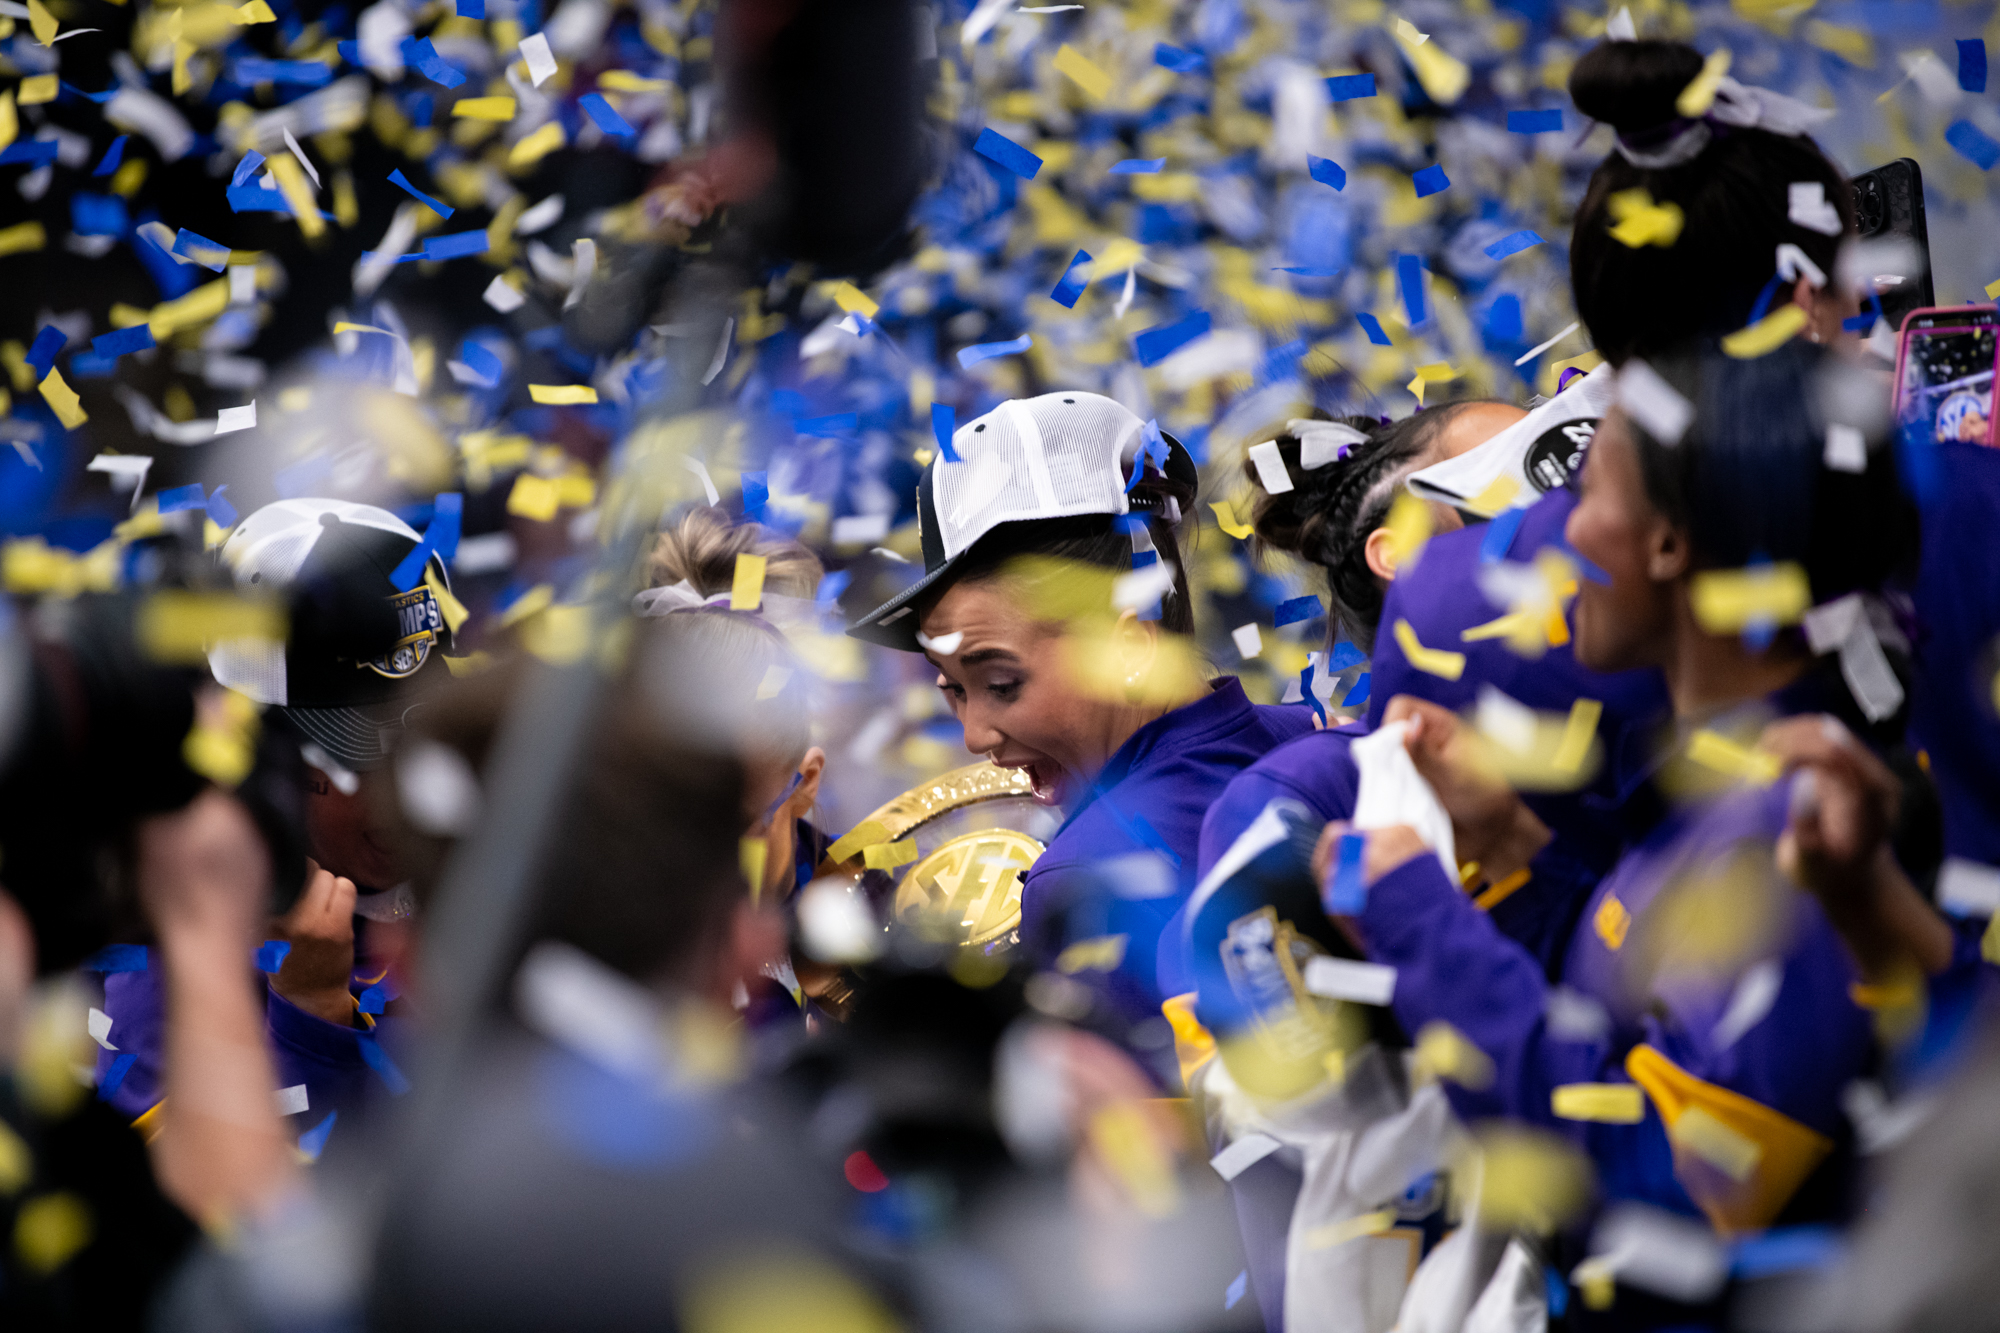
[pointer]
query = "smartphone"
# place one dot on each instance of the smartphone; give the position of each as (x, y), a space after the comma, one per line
(1944, 373)
(1889, 201)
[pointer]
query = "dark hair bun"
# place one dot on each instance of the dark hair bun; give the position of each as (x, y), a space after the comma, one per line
(1632, 86)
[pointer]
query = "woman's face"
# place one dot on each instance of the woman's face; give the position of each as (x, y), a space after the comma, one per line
(1008, 686)
(1627, 622)
(776, 795)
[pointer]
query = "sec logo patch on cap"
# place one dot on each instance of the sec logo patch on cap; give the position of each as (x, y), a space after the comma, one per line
(420, 620)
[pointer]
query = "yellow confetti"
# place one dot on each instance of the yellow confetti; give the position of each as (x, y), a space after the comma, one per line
(62, 400)
(201, 304)
(1699, 95)
(1577, 735)
(1225, 518)
(861, 836)
(1717, 752)
(453, 610)
(561, 394)
(22, 237)
(1330, 1234)
(1082, 72)
(1529, 1180)
(256, 11)
(1443, 75)
(1612, 922)
(1729, 1151)
(854, 301)
(1767, 334)
(41, 88)
(534, 147)
(889, 855)
(17, 1165)
(746, 588)
(180, 627)
(1638, 221)
(292, 184)
(1438, 662)
(1497, 496)
(1445, 1052)
(1125, 1142)
(1853, 45)
(10, 120)
(1102, 954)
(1992, 290)
(483, 108)
(752, 854)
(1607, 1103)
(534, 497)
(1409, 526)
(51, 1227)
(222, 744)
(625, 81)
(44, 24)
(1728, 601)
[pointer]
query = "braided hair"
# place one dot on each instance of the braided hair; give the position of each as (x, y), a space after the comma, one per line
(1326, 517)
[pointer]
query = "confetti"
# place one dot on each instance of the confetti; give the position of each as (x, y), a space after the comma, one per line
(1348, 87)
(1438, 662)
(1513, 243)
(997, 147)
(1535, 122)
(1326, 172)
(1638, 221)
(1080, 71)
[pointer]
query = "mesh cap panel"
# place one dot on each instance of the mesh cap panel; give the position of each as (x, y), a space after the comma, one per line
(1046, 457)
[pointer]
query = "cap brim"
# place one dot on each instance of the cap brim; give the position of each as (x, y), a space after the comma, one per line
(358, 738)
(886, 627)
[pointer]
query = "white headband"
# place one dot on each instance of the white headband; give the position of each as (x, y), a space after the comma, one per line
(1737, 105)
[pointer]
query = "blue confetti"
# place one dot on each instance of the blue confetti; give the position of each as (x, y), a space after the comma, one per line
(271, 953)
(1236, 1290)
(376, 998)
(40, 152)
(1373, 328)
(1973, 144)
(255, 199)
(246, 168)
(838, 426)
(135, 339)
(378, 1060)
(437, 206)
(1347, 87)
(1177, 60)
(313, 1142)
(1326, 171)
(1311, 270)
(1555, 1291)
(834, 584)
(113, 157)
(1410, 280)
(1138, 166)
(1534, 122)
(117, 958)
(756, 494)
(1359, 694)
(1499, 536)
(1785, 1250)
(98, 215)
(1431, 180)
(1295, 609)
(114, 1077)
(997, 147)
(252, 70)
(1513, 243)
(476, 357)
(1156, 344)
(1345, 655)
(1346, 893)
(969, 357)
(458, 245)
(193, 245)
(420, 52)
(43, 351)
(1503, 319)
(606, 116)
(1972, 64)
(1306, 693)
(447, 518)
(220, 510)
(944, 423)
(1070, 286)
(471, 9)
(175, 499)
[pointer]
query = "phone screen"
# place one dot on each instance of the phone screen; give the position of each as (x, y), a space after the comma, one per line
(1948, 383)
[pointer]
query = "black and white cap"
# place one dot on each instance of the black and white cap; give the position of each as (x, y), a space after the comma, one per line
(1535, 455)
(358, 644)
(1027, 460)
